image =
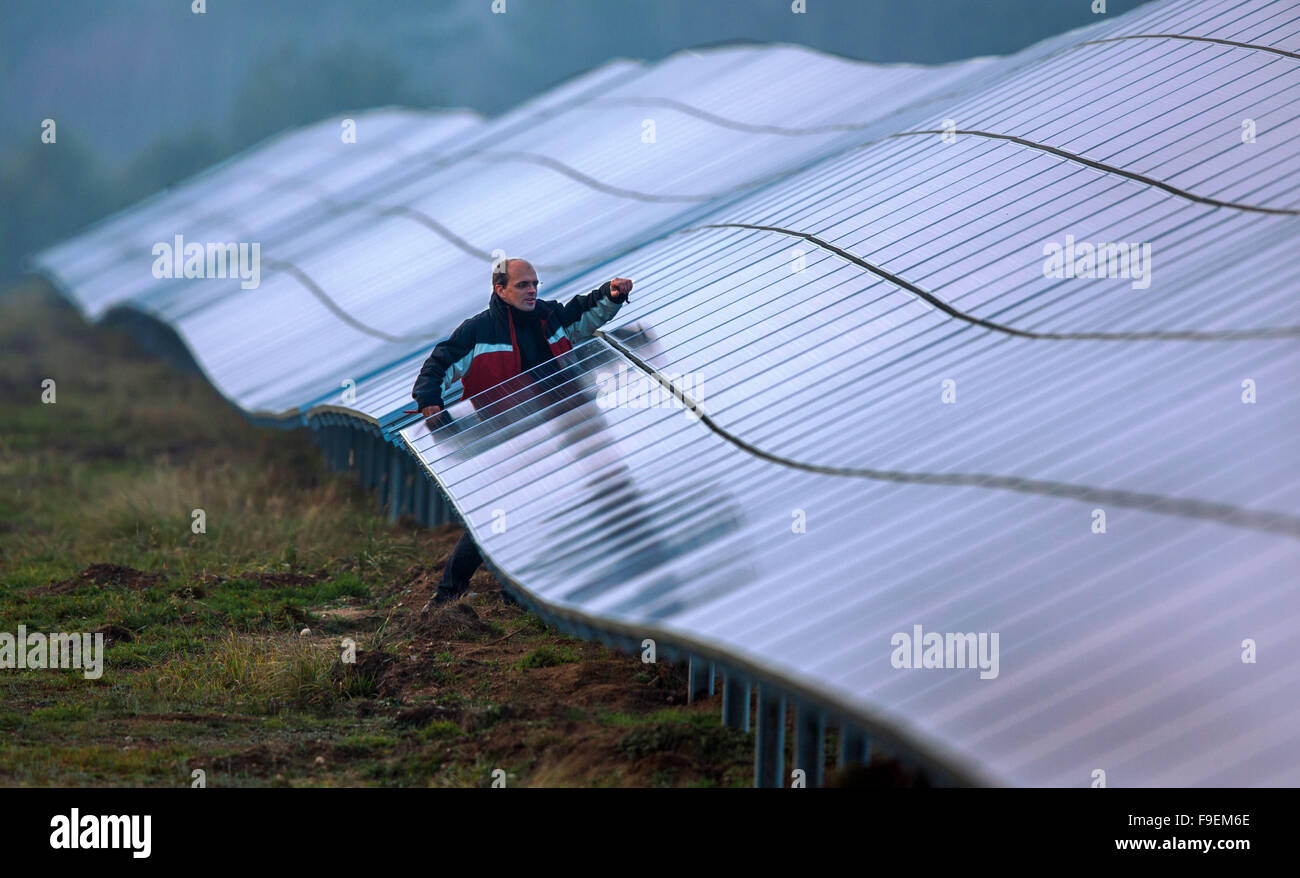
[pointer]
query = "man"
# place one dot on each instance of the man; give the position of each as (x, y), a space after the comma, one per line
(517, 332)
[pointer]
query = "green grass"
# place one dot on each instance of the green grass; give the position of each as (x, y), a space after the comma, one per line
(440, 730)
(547, 656)
(109, 474)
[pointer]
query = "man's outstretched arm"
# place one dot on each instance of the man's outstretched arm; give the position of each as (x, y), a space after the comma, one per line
(448, 362)
(585, 313)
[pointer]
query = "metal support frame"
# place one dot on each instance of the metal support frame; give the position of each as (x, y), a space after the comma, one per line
(396, 483)
(367, 447)
(810, 744)
(699, 679)
(735, 702)
(420, 500)
(855, 746)
(441, 515)
(769, 746)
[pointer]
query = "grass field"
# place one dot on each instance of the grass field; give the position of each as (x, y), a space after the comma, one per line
(208, 666)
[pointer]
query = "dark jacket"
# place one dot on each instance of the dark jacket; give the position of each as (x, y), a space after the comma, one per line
(485, 350)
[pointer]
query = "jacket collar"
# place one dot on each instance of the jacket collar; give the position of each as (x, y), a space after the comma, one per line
(500, 308)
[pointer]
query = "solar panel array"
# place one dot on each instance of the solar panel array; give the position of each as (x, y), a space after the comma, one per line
(900, 400)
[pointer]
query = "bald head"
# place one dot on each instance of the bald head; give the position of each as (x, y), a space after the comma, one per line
(515, 281)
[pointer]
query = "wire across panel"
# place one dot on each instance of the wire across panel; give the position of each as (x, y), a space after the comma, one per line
(833, 366)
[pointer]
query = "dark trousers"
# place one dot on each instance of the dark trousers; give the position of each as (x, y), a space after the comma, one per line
(464, 560)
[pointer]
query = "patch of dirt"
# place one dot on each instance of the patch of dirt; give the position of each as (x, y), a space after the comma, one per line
(602, 754)
(351, 618)
(265, 579)
(454, 621)
(425, 714)
(346, 614)
(375, 665)
(280, 580)
(114, 634)
(102, 574)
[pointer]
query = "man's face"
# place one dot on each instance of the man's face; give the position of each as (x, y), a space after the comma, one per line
(521, 291)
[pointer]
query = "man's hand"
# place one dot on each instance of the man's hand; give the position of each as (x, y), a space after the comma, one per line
(619, 287)
(430, 410)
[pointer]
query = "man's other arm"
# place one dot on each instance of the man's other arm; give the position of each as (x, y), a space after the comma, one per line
(448, 362)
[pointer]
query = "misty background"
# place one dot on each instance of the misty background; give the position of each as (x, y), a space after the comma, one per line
(145, 92)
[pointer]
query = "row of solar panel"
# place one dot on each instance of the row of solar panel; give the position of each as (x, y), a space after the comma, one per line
(904, 419)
